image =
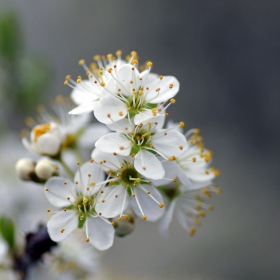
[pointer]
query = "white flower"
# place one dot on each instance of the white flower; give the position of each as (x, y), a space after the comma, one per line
(78, 201)
(144, 141)
(126, 186)
(72, 258)
(86, 93)
(187, 205)
(193, 164)
(60, 130)
(45, 139)
(135, 94)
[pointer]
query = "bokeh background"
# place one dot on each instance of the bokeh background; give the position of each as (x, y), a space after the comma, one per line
(226, 55)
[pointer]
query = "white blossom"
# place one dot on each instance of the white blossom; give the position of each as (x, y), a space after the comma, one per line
(78, 200)
(187, 205)
(126, 187)
(144, 141)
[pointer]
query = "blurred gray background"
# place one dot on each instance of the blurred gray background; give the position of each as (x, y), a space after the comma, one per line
(226, 55)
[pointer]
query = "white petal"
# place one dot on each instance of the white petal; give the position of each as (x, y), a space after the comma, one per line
(62, 220)
(126, 74)
(170, 173)
(59, 192)
(49, 144)
(112, 162)
(85, 92)
(30, 148)
(165, 92)
(149, 207)
(168, 144)
(100, 233)
(83, 108)
(114, 143)
(113, 206)
(147, 116)
(92, 133)
(148, 165)
(112, 107)
(122, 126)
(83, 178)
(167, 218)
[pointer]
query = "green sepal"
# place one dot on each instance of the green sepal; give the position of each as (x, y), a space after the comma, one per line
(151, 106)
(134, 150)
(81, 222)
(7, 230)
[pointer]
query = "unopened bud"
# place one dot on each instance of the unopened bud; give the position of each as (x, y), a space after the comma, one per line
(25, 167)
(45, 169)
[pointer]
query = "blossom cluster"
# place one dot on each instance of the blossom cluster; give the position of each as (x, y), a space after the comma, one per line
(133, 163)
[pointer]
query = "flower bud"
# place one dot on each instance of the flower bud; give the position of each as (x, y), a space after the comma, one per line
(25, 167)
(126, 225)
(45, 169)
(45, 139)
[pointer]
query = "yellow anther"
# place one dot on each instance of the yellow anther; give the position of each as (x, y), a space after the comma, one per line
(126, 217)
(121, 147)
(65, 82)
(166, 114)
(172, 100)
(103, 200)
(134, 62)
(109, 56)
(46, 189)
(96, 57)
(112, 223)
(210, 208)
(149, 64)
(202, 214)
(120, 113)
(174, 180)
(171, 86)
(118, 53)
(148, 192)
(161, 205)
(87, 239)
(134, 53)
(67, 77)
(109, 115)
(62, 230)
(172, 158)
(110, 70)
(206, 172)
(102, 84)
(194, 159)
(81, 62)
(192, 231)
(181, 124)
(82, 218)
(144, 218)
(48, 210)
(181, 147)
(101, 191)
(160, 77)
(119, 218)
(196, 131)
(64, 209)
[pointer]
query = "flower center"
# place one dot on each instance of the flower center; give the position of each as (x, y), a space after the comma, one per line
(40, 130)
(129, 176)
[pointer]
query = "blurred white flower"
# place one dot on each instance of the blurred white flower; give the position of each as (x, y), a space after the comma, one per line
(78, 201)
(45, 139)
(187, 205)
